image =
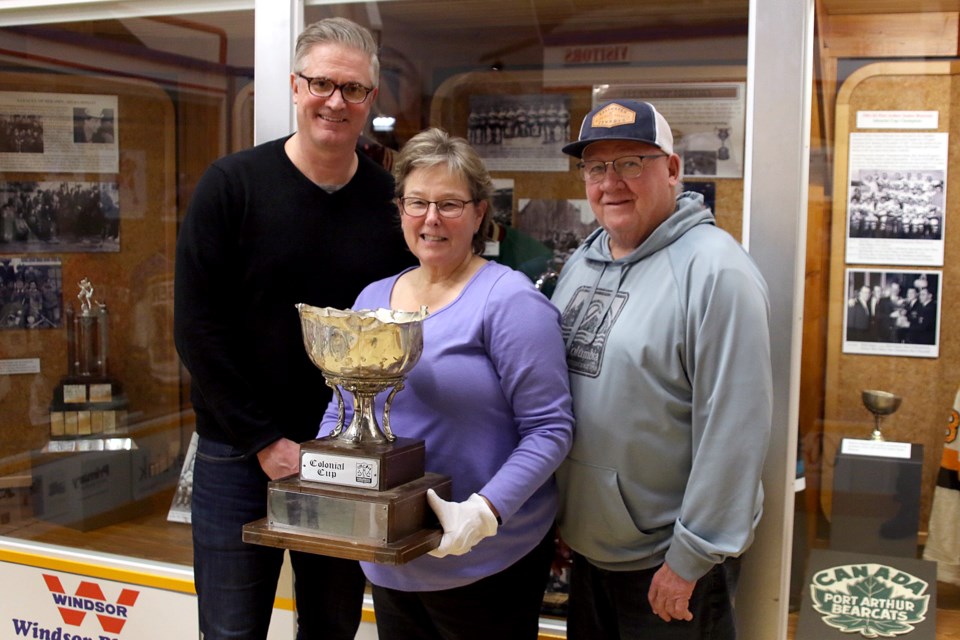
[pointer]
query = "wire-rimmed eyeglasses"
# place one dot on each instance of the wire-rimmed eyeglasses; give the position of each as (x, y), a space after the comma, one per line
(448, 207)
(627, 167)
(352, 92)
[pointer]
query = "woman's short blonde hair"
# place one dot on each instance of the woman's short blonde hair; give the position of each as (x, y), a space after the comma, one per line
(433, 147)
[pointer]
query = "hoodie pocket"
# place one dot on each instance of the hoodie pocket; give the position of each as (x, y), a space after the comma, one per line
(595, 521)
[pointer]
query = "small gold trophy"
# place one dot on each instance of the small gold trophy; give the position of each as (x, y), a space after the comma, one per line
(880, 404)
(87, 402)
(361, 491)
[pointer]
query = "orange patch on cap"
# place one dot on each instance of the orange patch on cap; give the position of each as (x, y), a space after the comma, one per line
(613, 115)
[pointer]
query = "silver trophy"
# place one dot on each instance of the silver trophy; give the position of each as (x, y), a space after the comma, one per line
(880, 404)
(361, 491)
(87, 402)
(365, 352)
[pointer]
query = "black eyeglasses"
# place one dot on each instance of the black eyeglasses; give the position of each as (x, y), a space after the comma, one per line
(352, 92)
(448, 207)
(627, 167)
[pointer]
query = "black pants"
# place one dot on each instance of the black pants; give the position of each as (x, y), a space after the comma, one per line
(613, 605)
(504, 606)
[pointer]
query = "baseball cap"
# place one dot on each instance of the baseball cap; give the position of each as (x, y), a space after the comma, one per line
(623, 120)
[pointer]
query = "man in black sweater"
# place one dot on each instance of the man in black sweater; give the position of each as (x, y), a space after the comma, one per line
(300, 219)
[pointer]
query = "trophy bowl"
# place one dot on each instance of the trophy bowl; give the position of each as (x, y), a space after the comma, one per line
(879, 403)
(365, 352)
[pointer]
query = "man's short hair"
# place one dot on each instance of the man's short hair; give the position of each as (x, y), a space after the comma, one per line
(338, 31)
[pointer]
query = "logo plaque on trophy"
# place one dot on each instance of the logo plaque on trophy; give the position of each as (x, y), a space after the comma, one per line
(87, 402)
(361, 491)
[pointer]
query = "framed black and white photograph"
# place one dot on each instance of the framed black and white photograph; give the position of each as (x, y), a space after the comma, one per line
(707, 189)
(520, 132)
(896, 197)
(21, 133)
(560, 225)
(893, 313)
(59, 216)
(502, 201)
(31, 293)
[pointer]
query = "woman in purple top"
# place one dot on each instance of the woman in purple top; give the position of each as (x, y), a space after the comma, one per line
(490, 397)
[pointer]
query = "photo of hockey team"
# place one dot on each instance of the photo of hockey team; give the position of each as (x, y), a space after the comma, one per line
(520, 132)
(37, 217)
(896, 199)
(896, 204)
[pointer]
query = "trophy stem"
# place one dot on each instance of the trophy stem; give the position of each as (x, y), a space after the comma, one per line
(340, 409)
(876, 435)
(363, 427)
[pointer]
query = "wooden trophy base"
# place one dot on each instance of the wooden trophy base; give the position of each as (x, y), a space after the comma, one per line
(87, 406)
(392, 526)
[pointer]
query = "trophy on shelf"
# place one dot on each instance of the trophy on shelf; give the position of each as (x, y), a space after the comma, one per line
(880, 404)
(87, 402)
(361, 490)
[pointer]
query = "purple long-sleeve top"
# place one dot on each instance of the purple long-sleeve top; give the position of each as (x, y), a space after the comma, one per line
(490, 397)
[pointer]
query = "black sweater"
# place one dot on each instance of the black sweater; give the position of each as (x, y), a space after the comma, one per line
(258, 238)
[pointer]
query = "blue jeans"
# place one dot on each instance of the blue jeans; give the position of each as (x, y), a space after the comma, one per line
(612, 605)
(236, 582)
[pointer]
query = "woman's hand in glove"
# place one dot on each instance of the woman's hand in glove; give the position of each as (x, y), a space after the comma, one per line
(464, 523)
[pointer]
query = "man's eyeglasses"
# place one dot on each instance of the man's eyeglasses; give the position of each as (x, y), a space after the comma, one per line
(352, 92)
(448, 207)
(627, 167)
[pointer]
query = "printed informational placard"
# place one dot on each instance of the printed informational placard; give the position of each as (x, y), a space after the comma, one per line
(58, 132)
(898, 119)
(896, 197)
(855, 447)
(19, 366)
(892, 313)
(520, 132)
(707, 119)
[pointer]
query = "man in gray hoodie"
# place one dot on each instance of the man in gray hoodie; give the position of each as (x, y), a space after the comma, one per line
(665, 318)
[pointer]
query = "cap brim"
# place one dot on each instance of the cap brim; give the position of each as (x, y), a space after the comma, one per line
(575, 149)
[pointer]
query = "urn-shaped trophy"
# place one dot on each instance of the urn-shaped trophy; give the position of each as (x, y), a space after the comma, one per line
(361, 490)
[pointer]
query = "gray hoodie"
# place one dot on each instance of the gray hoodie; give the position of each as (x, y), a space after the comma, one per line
(669, 357)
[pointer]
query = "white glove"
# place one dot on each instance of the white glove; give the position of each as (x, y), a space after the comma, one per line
(464, 523)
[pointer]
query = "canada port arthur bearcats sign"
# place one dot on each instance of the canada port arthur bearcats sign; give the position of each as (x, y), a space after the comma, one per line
(854, 595)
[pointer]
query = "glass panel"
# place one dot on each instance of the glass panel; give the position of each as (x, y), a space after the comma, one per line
(104, 128)
(517, 79)
(174, 94)
(878, 354)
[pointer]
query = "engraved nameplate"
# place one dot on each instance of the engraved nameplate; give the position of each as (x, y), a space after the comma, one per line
(101, 392)
(74, 393)
(342, 470)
